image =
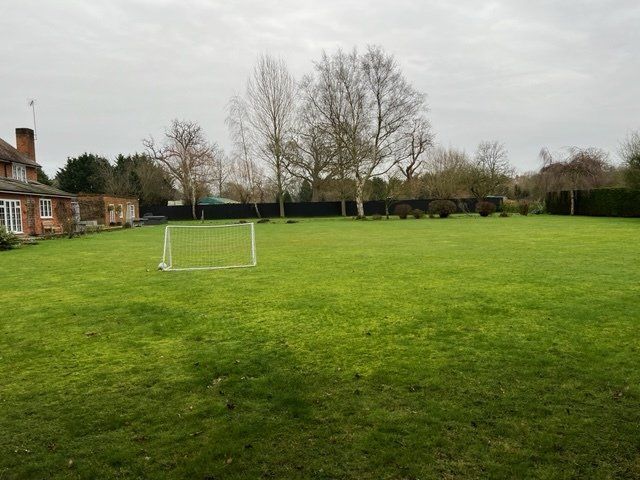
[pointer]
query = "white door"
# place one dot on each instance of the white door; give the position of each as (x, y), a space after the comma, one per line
(132, 212)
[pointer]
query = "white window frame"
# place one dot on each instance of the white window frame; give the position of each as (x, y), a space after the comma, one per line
(9, 219)
(19, 172)
(121, 215)
(46, 212)
(131, 211)
(112, 213)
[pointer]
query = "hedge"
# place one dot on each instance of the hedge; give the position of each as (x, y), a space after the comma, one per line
(600, 202)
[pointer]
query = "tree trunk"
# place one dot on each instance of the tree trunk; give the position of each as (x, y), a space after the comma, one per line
(386, 209)
(572, 194)
(255, 205)
(359, 201)
(280, 194)
(343, 207)
(193, 203)
(315, 192)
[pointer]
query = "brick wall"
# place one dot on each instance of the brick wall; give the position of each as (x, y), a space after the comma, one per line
(6, 171)
(32, 174)
(96, 207)
(32, 223)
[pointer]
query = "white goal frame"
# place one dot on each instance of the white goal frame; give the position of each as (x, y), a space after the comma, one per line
(166, 264)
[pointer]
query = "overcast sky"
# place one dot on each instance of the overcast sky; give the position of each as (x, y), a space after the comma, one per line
(530, 73)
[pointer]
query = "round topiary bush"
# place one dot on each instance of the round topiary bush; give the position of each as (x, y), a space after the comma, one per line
(485, 208)
(402, 210)
(443, 208)
(417, 213)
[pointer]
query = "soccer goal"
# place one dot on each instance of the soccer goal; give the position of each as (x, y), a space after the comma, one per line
(206, 247)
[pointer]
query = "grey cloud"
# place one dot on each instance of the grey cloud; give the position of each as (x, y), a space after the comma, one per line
(109, 73)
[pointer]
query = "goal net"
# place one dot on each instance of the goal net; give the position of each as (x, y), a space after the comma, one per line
(206, 247)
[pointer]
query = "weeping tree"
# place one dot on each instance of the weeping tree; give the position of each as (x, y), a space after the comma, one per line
(579, 169)
(187, 157)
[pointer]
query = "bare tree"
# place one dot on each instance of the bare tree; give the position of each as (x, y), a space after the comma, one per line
(246, 183)
(338, 98)
(313, 151)
(364, 101)
(418, 139)
(630, 154)
(491, 170)
(446, 172)
(392, 102)
(271, 109)
(186, 155)
(221, 168)
(247, 177)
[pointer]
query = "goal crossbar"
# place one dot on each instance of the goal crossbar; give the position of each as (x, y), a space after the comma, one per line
(208, 247)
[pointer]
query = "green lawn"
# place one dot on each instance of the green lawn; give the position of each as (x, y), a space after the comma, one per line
(401, 349)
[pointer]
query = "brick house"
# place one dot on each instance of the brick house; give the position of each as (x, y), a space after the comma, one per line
(108, 209)
(28, 207)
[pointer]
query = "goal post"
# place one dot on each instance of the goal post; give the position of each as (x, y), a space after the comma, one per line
(208, 247)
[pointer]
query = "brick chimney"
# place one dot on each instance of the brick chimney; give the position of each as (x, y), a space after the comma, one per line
(25, 143)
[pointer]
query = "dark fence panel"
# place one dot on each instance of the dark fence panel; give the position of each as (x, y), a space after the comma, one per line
(297, 209)
(599, 202)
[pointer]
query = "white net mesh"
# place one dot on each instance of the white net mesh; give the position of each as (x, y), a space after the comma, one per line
(208, 247)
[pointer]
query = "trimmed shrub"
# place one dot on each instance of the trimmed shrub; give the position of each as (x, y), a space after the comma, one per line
(485, 208)
(523, 208)
(8, 240)
(600, 202)
(292, 221)
(504, 214)
(417, 213)
(402, 210)
(443, 208)
(263, 220)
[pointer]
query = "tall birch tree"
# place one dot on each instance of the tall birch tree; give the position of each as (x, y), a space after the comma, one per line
(270, 108)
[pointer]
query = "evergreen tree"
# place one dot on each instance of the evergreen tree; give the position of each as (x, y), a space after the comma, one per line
(84, 173)
(43, 177)
(378, 189)
(305, 194)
